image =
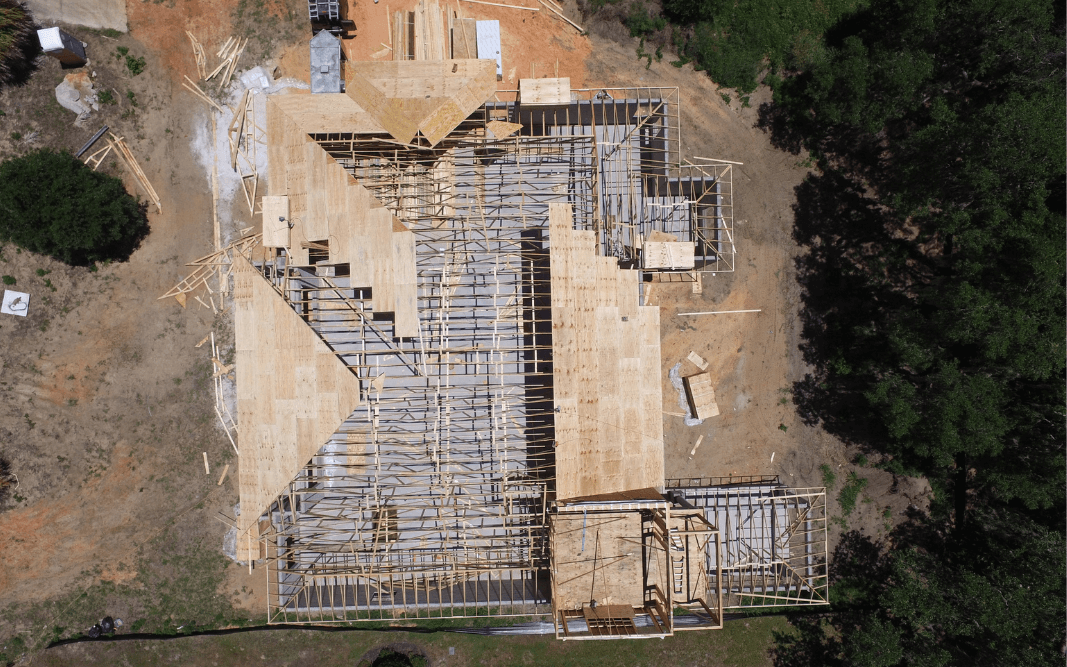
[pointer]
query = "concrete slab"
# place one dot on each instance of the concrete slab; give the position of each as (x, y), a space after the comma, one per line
(89, 13)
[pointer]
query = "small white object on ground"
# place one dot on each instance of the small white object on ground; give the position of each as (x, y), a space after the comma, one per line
(15, 303)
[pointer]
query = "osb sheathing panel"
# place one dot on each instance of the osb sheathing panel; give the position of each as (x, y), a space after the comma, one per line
(406, 97)
(327, 204)
(610, 544)
(606, 384)
(293, 392)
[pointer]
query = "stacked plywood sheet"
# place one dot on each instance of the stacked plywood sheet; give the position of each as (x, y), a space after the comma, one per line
(293, 392)
(701, 396)
(606, 370)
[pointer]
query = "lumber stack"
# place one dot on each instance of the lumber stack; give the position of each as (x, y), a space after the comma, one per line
(420, 34)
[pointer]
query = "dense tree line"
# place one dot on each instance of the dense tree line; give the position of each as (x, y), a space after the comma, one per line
(934, 319)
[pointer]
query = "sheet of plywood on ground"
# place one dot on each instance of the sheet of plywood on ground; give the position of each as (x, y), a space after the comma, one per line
(431, 97)
(293, 392)
(545, 92)
(701, 395)
(612, 543)
(606, 385)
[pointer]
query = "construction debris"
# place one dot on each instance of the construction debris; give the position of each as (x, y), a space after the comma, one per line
(198, 54)
(119, 146)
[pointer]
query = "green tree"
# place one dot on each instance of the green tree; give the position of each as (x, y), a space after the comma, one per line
(991, 594)
(53, 204)
(938, 219)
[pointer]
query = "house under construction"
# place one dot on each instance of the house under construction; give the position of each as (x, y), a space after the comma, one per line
(448, 387)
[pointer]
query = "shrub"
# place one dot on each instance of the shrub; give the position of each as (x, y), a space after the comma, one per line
(641, 22)
(135, 65)
(105, 97)
(8, 280)
(828, 476)
(55, 205)
(850, 492)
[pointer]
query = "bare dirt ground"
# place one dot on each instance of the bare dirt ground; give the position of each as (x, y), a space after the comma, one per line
(105, 403)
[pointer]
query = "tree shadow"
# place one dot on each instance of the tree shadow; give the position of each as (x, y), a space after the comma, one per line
(21, 58)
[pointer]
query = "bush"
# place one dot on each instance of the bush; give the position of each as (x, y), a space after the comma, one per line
(54, 205)
(135, 65)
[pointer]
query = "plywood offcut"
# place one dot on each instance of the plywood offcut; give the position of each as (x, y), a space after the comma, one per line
(293, 392)
(606, 370)
(545, 92)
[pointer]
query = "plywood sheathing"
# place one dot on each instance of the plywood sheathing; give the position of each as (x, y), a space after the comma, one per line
(502, 129)
(427, 97)
(465, 38)
(327, 204)
(668, 255)
(606, 370)
(326, 113)
(608, 543)
(545, 92)
(275, 221)
(293, 392)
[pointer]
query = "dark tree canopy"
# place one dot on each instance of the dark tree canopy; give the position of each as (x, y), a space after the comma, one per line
(51, 203)
(936, 278)
(934, 320)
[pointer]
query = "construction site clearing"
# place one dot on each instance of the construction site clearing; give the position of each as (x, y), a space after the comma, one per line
(448, 377)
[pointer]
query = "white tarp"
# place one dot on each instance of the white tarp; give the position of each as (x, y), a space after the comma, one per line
(15, 303)
(489, 43)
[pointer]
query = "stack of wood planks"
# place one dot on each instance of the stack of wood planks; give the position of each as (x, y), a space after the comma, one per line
(420, 34)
